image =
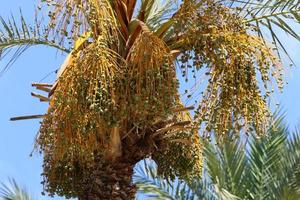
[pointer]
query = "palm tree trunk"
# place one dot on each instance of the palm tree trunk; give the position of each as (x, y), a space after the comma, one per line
(110, 182)
(111, 178)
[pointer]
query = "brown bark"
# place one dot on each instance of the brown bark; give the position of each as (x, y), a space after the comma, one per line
(112, 179)
(109, 182)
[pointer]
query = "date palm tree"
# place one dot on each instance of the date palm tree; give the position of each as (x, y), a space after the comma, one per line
(116, 99)
(266, 168)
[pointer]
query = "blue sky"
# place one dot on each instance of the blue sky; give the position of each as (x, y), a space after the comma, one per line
(16, 138)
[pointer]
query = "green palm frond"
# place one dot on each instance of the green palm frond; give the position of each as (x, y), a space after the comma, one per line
(16, 36)
(274, 163)
(265, 156)
(269, 17)
(13, 191)
(223, 194)
(226, 165)
(151, 185)
(205, 189)
(263, 168)
(159, 11)
(155, 187)
(256, 171)
(289, 174)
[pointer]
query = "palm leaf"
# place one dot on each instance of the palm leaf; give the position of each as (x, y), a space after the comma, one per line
(226, 165)
(159, 11)
(288, 176)
(13, 191)
(271, 16)
(153, 186)
(264, 157)
(15, 38)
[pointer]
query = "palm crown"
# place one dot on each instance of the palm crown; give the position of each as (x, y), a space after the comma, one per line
(116, 98)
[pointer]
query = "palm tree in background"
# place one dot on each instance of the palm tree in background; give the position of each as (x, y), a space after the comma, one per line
(266, 168)
(116, 99)
(13, 191)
